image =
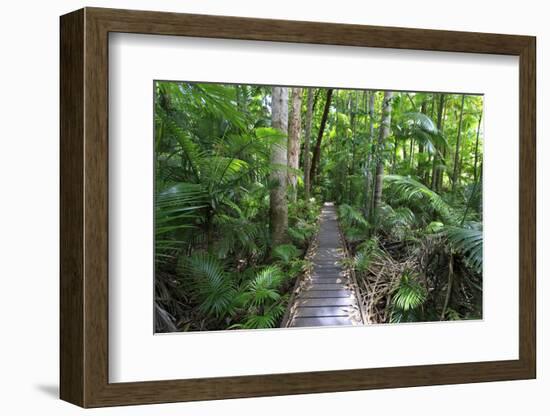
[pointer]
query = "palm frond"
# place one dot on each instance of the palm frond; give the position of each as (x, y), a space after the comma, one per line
(351, 216)
(268, 319)
(469, 242)
(286, 253)
(409, 296)
(415, 192)
(212, 285)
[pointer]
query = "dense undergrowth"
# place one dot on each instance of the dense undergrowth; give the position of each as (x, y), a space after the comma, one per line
(241, 172)
(216, 267)
(424, 260)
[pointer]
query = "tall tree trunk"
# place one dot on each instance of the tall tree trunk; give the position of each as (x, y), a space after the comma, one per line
(431, 157)
(436, 170)
(317, 150)
(307, 140)
(353, 119)
(420, 169)
(241, 97)
(411, 154)
(394, 158)
(294, 129)
(368, 173)
(457, 150)
(476, 158)
(278, 207)
(385, 127)
(442, 169)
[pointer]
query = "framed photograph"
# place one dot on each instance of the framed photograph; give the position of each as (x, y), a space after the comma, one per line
(255, 207)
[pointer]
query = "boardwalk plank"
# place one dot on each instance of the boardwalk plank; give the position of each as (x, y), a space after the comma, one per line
(329, 280)
(325, 298)
(343, 293)
(325, 302)
(315, 312)
(317, 275)
(325, 321)
(316, 285)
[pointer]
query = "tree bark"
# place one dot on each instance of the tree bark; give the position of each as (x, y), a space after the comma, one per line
(317, 150)
(457, 150)
(294, 129)
(435, 168)
(450, 279)
(385, 128)
(441, 171)
(368, 178)
(353, 117)
(476, 158)
(423, 110)
(278, 206)
(307, 140)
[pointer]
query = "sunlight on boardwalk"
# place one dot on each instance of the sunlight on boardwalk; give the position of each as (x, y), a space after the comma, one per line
(325, 297)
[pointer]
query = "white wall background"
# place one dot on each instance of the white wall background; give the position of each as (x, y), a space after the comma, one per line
(29, 206)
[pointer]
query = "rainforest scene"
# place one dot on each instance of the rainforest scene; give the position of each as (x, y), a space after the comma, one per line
(282, 207)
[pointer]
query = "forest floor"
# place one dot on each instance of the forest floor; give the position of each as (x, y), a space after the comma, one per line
(325, 296)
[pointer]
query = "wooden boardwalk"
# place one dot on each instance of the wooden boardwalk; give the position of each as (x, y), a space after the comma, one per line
(325, 297)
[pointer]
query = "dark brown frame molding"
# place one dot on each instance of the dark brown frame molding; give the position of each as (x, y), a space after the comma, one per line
(84, 208)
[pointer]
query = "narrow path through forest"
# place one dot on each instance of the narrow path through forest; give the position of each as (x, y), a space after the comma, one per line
(325, 297)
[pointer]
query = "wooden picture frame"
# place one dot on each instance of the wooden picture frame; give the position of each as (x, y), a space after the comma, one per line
(84, 207)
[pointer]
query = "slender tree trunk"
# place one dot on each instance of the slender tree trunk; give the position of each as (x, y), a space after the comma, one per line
(442, 169)
(368, 170)
(411, 154)
(437, 160)
(394, 158)
(419, 167)
(241, 96)
(450, 280)
(476, 158)
(317, 150)
(238, 96)
(457, 150)
(278, 208)
(307, 140)
(385, 127)
(353, 119)
(294, 129)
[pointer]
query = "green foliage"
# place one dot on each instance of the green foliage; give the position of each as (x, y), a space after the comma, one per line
(213, 287)
(351, 217)
(262, 300)
(407, 299)
(434, 227)
(418, 195)
(421, 128)
(365, 253)
(267, 319)
(396, 222)
(263, 288)
(469, 242)
(286, 253)
(215, 266)
(355, 226)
